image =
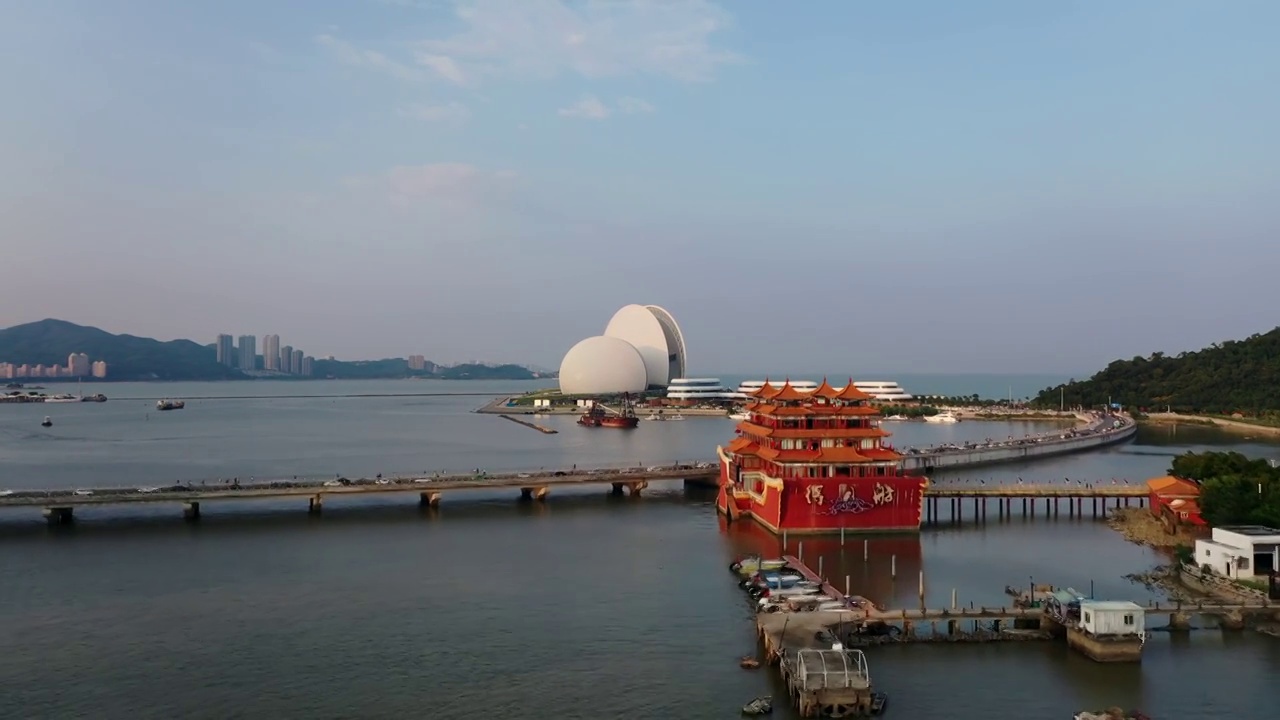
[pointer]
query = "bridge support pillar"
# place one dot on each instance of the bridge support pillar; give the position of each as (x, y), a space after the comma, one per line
(1179, 621)
(315, 505)
(534, 493)
(617, 489)
(429, 499)
(191, 510)
(635, 486)
(1232, 620)
(59, 515)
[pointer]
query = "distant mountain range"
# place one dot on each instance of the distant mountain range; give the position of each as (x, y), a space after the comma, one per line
(49, 342)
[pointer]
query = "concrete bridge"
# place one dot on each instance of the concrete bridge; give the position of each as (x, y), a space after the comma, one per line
(59, 505)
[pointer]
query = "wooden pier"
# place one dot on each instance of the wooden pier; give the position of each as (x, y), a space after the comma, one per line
(798, 642)
(1049, 496)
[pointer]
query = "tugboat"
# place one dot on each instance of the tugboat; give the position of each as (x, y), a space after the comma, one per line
(170, 405)
(600, 416)
(98, 397)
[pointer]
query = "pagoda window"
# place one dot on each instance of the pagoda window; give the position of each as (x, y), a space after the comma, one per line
(868, 443)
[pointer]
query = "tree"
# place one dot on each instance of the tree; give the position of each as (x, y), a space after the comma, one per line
(1234, 490)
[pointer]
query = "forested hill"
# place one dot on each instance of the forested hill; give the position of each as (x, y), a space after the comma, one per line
(1235, 376)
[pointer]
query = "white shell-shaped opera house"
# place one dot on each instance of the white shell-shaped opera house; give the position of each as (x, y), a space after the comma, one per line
(607, 364)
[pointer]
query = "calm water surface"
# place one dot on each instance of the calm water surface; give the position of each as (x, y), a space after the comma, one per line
(583, 607)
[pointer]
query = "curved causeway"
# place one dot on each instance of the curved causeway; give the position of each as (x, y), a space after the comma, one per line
(1100, 431)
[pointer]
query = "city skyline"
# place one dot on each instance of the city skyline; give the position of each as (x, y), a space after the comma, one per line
(79, 365)
(275, 358)
(992, 186)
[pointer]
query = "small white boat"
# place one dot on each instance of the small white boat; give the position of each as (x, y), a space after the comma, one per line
(895, 418)
(47, 422)
(655, 416)
(740, 415)
(148, 489)
(63, 398)
(944, 417)
(83, 493)
(677, 416)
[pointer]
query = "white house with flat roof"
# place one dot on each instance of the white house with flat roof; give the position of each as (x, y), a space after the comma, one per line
(1241, 551)
(1118, 618)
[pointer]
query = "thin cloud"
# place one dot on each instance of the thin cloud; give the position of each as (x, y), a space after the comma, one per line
(588, 108)
(548, 38)
(348, 54)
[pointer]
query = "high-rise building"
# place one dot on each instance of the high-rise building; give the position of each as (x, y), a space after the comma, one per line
(23, 370)
(8, 371)
(417, 362)
(77, 365)
(286, 359)
(225, 350)
(248, 355)
(295, 362)
(308, 366)
(100, 369)
(270, 352)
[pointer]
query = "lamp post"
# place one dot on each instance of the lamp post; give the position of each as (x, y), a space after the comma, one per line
(1032, 582)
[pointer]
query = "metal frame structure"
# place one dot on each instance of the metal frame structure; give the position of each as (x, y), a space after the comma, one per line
(824, 669)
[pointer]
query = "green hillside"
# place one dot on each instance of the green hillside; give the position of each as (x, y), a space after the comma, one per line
(49, 342)
(1233, 376)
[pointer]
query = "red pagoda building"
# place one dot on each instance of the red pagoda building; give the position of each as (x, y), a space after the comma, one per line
(815, 462)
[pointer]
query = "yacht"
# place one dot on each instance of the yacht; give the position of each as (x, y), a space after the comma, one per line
(677, 416)
(740, 415)
(655, 416)
(945, 416)
(895, 418)
(63, 398)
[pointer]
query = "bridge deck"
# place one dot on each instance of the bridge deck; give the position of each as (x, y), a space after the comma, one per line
(198, 493)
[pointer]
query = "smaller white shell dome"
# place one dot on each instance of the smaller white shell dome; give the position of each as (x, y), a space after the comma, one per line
(602, 365)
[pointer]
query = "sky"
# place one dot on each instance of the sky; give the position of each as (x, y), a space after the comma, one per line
(988, 186)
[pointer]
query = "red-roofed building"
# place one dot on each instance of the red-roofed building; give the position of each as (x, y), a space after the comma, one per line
(814, 460)
(1175, 500)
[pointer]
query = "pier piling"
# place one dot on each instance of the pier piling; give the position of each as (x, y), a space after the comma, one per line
(428, 499)
(59, 515)
(315, 505)
(191, 511)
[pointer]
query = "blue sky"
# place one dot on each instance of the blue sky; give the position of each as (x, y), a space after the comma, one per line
(993, 185)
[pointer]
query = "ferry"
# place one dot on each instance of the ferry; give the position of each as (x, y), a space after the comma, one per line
(62, 398)
(944, 417)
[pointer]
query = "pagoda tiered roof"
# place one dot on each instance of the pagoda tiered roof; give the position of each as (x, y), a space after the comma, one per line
(809, 410)
(788, 393)
(751, 428)
(851, 392)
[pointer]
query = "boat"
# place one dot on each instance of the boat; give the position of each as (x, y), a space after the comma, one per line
(895, 418)
(943, 417)
(62, 398)
(752, 564)
(47, 422)
(677, 416)
(600, 416)
(740, 415)
(878, 701)
(96, 397)
(655, 416)
(816, 461)
(170, 405)
(759, 706)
